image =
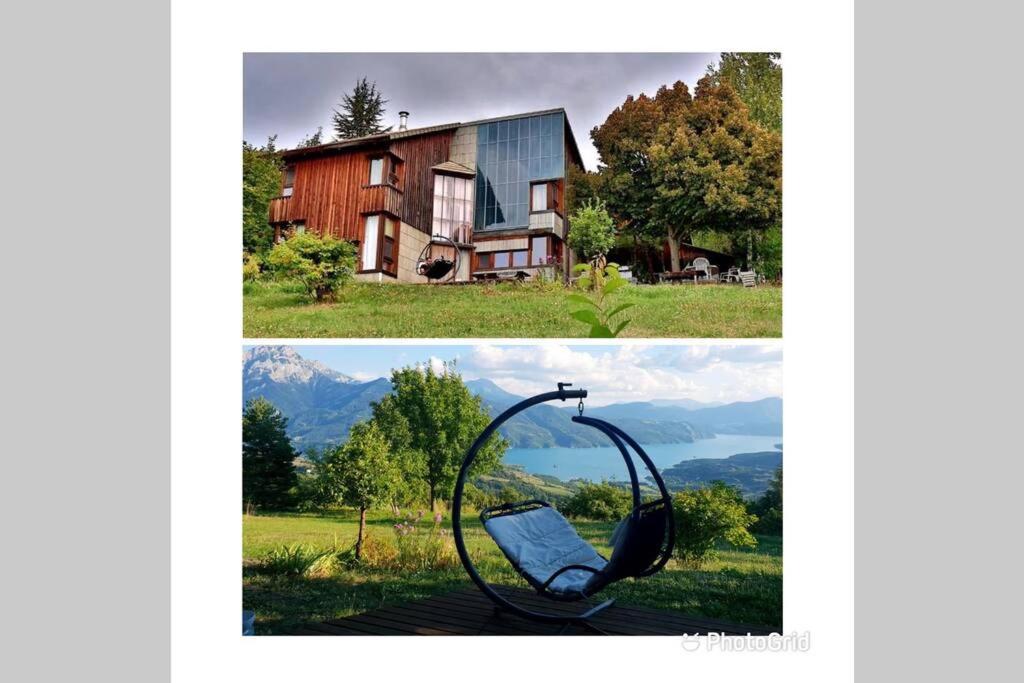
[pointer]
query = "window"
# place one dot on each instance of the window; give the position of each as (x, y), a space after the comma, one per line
(453, 207)
(539, 197)
(518, 259)
(497, 260)
(388, 247)
(370, 239)
(377, 171)
(539, 251)
(501, 259)
(512, 154)
(483, 261)
(289, 181)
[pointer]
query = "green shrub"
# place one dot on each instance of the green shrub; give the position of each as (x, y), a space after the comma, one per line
(250, 267)
(420, 543)
(321, 264)
(708, 516)
(297, 560)
(599, 501)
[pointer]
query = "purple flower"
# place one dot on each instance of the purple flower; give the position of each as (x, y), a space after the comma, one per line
(438, 517)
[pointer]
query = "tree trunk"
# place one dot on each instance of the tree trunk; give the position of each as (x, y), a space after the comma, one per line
(750, 249)
(673, 251)
(362, 530)
(432, 499)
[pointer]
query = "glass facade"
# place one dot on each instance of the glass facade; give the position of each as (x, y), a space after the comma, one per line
(511, 154)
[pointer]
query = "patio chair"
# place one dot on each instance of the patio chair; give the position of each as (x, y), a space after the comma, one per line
(748, 278)
(702, 265)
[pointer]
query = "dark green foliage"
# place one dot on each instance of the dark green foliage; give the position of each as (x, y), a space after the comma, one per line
(321, 264)
(268, 475)
(361, 112)
(750, 473)
(261, 182)
(431, 418)
(709, 516)
(768, 508)
(598, 501)
(314, 140)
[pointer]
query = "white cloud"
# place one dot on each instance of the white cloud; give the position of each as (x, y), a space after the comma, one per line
(633, 372)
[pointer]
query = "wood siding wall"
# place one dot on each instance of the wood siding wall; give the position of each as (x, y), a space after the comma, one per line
(329, 192)
(419, 154)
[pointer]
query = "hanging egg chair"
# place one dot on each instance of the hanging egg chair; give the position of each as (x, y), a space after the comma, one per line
(434, 264)
(544, 548)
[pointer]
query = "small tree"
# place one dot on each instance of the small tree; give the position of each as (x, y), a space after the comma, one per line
(365, 474)
(598, 501)
(322, 264)
(431, 419)
(361, 112)
(313, 140)
(601, 280)
(707, 516)
(268, 475)
(592, 230)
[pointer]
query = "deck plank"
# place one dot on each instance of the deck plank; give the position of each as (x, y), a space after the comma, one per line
(470, 612)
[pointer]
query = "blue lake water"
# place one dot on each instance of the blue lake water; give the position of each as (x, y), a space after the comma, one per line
(606, 463)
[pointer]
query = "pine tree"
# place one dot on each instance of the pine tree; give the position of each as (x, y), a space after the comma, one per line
(268, 475)
(361, 112)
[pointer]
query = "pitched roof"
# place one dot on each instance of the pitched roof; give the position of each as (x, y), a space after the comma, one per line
(383, 138)
(453, 167)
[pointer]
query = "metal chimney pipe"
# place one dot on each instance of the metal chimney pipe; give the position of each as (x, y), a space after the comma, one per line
(403, 120)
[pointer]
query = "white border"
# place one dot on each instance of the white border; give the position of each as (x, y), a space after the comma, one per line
(208, 41)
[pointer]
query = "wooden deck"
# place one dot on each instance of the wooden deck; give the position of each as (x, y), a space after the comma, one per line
(469, 612)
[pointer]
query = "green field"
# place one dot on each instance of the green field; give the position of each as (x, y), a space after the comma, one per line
(740, 586)
(506, 310)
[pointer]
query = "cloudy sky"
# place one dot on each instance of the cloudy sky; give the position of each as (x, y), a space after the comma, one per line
(613, 374)
(290, 94)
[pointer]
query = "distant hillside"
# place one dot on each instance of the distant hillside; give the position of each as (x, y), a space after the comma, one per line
(322, 404)
(750, 472)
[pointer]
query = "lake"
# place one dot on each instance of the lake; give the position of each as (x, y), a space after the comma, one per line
(606, 462)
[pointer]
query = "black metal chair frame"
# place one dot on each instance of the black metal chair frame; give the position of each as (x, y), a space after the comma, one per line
(428, 249)
(620, 439)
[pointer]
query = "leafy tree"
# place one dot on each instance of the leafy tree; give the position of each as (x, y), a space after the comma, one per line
(364, 472)
(322, 264)
(361, 112)
(431, 419)
(580, 187)
(313, 140)
(768, 508)
(598, 501)
(714, 168)
(268, 475)
(626, 176)
(261, 182)
(757, 78)
(593, 230)
(708, 516)
(250, 267)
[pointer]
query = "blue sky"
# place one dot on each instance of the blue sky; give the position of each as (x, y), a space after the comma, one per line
(290, 94)
(613, 374)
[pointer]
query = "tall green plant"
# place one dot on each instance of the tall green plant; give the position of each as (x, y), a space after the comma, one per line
(261, 182)
(268, 475)
(599, 282)
(592, 230)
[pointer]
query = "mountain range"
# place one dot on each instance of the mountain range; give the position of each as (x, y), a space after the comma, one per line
(321, 405)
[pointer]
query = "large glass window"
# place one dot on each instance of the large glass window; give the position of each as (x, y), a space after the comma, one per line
(539, 201)
(376, 171)
(453, 207)
(370, 240)
(510, 155)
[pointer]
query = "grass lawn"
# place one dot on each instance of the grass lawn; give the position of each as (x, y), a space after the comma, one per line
(740, 586)
(506, 310)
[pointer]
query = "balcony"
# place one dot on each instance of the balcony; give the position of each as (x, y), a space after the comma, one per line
(548, 220)
(279, 209)
(380, 198)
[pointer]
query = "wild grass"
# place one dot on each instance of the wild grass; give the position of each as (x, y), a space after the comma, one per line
(738, 585)
(274, 309)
